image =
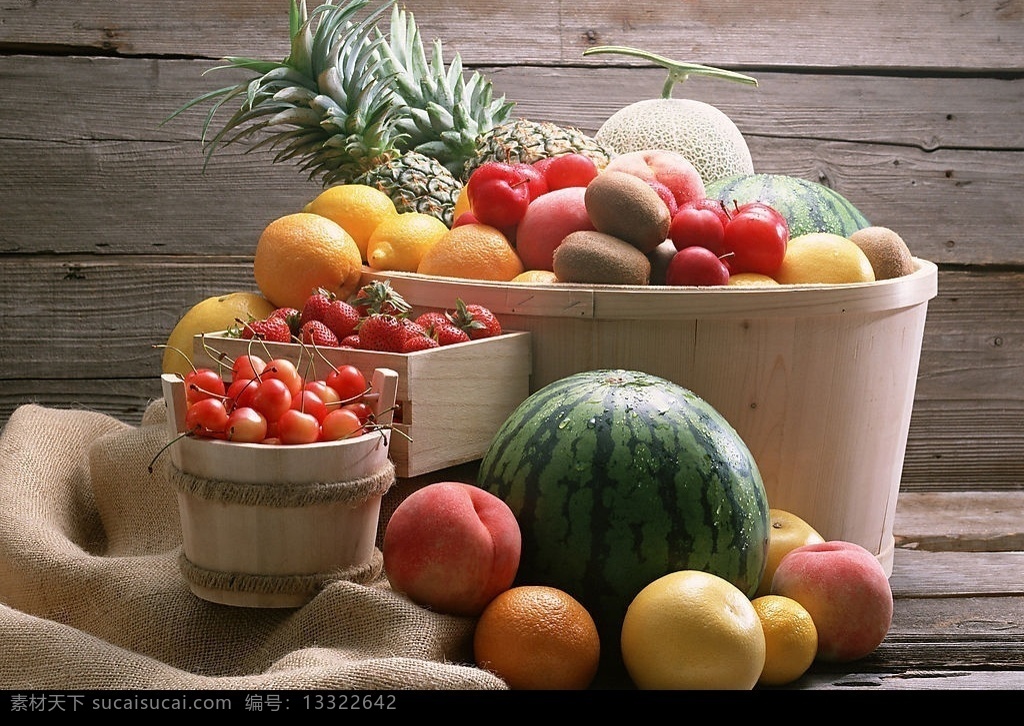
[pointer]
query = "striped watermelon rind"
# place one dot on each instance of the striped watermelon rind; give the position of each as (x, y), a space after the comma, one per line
(807, 206)
(619, 477)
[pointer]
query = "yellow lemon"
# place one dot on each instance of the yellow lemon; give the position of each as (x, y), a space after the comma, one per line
(299, 253)
(541, 276)
(462, 203)
(790, 638)
(210, 316)
(823, 257)
(400, 242)
(752, 279)
(358, 208)
(692, 630)
(786, 532)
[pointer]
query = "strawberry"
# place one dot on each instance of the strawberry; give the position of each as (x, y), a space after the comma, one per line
(382, 332)
(448, 333)
(350, 341)
(431, 319)
(316, 332)
(290, 316)
(476, 320)
(419, 342)
(379, 297)
(272, 329)
(341, 317)
(413, 328)
(316, 306)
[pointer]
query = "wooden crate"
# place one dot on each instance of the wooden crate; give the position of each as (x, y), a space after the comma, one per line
(451, 400)
(818, 380)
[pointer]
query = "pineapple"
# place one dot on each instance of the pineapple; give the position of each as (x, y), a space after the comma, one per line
(354, 105)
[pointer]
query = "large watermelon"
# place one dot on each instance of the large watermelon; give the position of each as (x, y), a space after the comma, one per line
(619, 477)
(806, 205)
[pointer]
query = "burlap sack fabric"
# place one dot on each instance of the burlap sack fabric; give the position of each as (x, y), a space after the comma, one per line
(92, 595)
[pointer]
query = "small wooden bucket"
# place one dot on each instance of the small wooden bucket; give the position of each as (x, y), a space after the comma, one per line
(268, 525)
(818, 380)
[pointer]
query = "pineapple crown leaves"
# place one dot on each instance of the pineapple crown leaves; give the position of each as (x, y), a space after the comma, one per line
(332, 83)
(442, 113)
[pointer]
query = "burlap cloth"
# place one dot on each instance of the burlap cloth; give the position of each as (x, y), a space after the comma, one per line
(92, 596)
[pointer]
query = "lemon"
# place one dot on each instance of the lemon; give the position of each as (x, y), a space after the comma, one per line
(541, 276)
(400, 242)
(752, 279)
(692, 630)
(462, 203)
(786, 532)
(358, 208)
(210, 316)
(823, 257)
(302, 252)
(791, 640)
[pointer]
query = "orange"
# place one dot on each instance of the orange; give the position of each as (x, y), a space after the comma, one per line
(399, 242)
(787, 532)
(211, 315)
(541, 276)
(298, 253)
(790, 638)
(535, 637)
(462, 203)
(358, 208)
(472, 251)
(692, 630)
(823, 258)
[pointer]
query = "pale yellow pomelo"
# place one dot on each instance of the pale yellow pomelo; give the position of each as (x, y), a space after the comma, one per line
(210, 316)
(692, 630)
(824, 258)
(790, 639)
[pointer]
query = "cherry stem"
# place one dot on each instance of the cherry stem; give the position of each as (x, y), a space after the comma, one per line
(677, 71)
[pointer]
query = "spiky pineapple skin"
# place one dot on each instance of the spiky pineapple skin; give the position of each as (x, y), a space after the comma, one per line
(523, 140)
(416, 183)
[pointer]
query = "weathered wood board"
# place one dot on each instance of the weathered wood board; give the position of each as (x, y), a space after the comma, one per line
(110, 230)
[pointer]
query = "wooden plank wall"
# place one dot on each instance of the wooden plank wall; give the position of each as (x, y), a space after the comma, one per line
(110, 230)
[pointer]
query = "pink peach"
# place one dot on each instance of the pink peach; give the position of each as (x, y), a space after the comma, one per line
(549, 219)
(667, 167)
(846, 591)
(452, 547)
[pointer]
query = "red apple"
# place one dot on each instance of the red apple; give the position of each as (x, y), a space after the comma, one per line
(845, 589)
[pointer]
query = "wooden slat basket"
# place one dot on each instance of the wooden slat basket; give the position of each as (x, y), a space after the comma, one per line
(267, 525)
(818, 380)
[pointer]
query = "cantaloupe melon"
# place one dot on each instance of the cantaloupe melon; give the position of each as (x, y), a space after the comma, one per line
(702, 133)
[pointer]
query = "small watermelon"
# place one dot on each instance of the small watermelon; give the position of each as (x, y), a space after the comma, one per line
(806, 205)
(620, 477)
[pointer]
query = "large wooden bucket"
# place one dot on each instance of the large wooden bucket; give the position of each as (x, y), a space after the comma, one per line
(818, 380)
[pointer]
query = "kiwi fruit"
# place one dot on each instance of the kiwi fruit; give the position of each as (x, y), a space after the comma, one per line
(600, 259)
(625, 206)
(886, 251)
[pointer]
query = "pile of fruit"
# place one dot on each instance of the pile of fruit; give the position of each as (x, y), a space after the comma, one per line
(618, 523)
(615, 517)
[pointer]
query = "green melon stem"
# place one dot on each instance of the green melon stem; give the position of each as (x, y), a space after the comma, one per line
(677, 72)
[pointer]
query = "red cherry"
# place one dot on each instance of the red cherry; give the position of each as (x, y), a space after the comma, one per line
(696, 266)
(695, 227)
(755, 239)
(297, 427)
(569, 170)
(340, 424)
(536, 184)
(246, 425)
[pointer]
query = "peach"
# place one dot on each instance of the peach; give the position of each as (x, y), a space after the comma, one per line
(846, 591)
(549, 219)
(451, 547)
(667, 167)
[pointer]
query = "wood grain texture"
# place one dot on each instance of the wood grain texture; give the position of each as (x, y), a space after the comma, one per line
(110, 229)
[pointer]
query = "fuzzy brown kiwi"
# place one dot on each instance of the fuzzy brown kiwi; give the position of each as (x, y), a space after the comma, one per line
(625, 206)
(600, 259)
(886, 251)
